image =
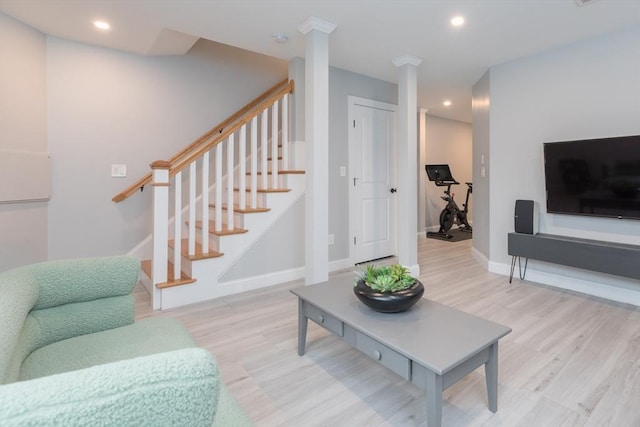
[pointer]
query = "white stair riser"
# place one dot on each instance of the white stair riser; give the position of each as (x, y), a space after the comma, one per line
(186, 263)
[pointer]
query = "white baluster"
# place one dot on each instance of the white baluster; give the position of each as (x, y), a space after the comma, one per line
(264, 151)
(205, 203)
(160, 226)
(218, 202)
(230, 182)
(285, 132)
(191, 244)
(254, 162)
(242, 163)
(177, 226)
(274, 145)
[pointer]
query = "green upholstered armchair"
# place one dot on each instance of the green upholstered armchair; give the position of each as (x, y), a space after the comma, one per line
(71, 353)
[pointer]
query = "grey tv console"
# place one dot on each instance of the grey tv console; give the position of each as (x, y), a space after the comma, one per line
(619, 259)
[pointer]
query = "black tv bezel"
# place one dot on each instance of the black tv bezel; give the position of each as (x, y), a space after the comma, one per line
(576, 142)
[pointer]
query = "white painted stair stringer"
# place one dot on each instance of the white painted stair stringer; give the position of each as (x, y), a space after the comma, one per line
(144, 249)
(208, 271)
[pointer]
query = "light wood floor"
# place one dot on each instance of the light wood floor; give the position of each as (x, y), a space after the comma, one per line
(571, 360)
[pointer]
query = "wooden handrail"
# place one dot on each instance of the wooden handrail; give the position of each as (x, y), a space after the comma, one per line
(278, 88)
(185, 161)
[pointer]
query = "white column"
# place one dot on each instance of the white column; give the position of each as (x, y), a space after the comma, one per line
(407, 129)
(160, 185)
(316, 32)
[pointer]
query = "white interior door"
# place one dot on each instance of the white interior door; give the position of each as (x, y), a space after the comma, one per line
(372, 178)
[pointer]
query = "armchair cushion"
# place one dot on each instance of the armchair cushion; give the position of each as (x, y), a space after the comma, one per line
(83, 279)
(171, 388)
(15, 304)
(229, 412)
(142, 338)
(52, 301)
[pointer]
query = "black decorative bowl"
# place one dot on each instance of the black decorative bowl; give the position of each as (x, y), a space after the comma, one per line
(388, 302)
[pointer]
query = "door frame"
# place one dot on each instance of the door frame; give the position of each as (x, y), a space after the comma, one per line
(353, 101)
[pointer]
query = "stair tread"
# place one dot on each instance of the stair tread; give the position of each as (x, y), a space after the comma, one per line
(224, 232)
(184, 250)
(246, 210)
(146, 266)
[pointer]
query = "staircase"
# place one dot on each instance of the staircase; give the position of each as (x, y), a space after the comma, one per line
(216, 198)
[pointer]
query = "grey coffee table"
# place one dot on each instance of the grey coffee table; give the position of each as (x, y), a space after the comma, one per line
(431, 345)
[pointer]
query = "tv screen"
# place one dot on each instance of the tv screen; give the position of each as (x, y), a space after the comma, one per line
(599, 177)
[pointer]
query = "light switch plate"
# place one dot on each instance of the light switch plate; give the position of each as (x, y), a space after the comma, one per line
(118, 171)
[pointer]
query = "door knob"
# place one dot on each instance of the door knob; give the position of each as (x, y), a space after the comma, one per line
(393, 190)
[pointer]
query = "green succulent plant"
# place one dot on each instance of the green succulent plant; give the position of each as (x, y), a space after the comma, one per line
(385, 278)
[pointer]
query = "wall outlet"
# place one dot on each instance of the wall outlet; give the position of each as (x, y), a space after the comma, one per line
(118, 171)
(331, 239)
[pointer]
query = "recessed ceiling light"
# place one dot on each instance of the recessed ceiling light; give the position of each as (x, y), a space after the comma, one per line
(101, 25)
(457, 21)
(280, 38)
(447, 103)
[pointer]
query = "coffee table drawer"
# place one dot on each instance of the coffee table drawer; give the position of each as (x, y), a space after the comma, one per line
(325, 320)
(380, 352)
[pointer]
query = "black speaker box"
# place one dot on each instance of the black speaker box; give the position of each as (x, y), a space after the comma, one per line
(526, 217)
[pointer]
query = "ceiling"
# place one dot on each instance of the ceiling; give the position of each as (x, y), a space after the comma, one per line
(368, 36)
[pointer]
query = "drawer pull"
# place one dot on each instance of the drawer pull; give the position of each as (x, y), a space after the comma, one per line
(321, 318)
(377, 355)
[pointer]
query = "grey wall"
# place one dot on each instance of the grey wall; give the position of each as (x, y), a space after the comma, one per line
(107, 107)
(296, 73)
(281, 248)
(482, 158)
(23, 127)
(447, 142)
(587, 90)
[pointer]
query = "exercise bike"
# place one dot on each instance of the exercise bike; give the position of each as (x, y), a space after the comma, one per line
(441, 175)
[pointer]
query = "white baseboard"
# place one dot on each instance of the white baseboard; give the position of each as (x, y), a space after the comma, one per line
(261, 281)
(275, 278)
(600, 290)
(480, 257)
(341, 264)
(143, 249)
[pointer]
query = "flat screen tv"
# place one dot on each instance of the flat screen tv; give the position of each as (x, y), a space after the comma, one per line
(598, 177)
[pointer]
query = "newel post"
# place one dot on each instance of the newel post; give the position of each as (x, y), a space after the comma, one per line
(160, 186)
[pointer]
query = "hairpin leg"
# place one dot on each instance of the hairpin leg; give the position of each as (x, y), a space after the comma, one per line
(521, 273)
